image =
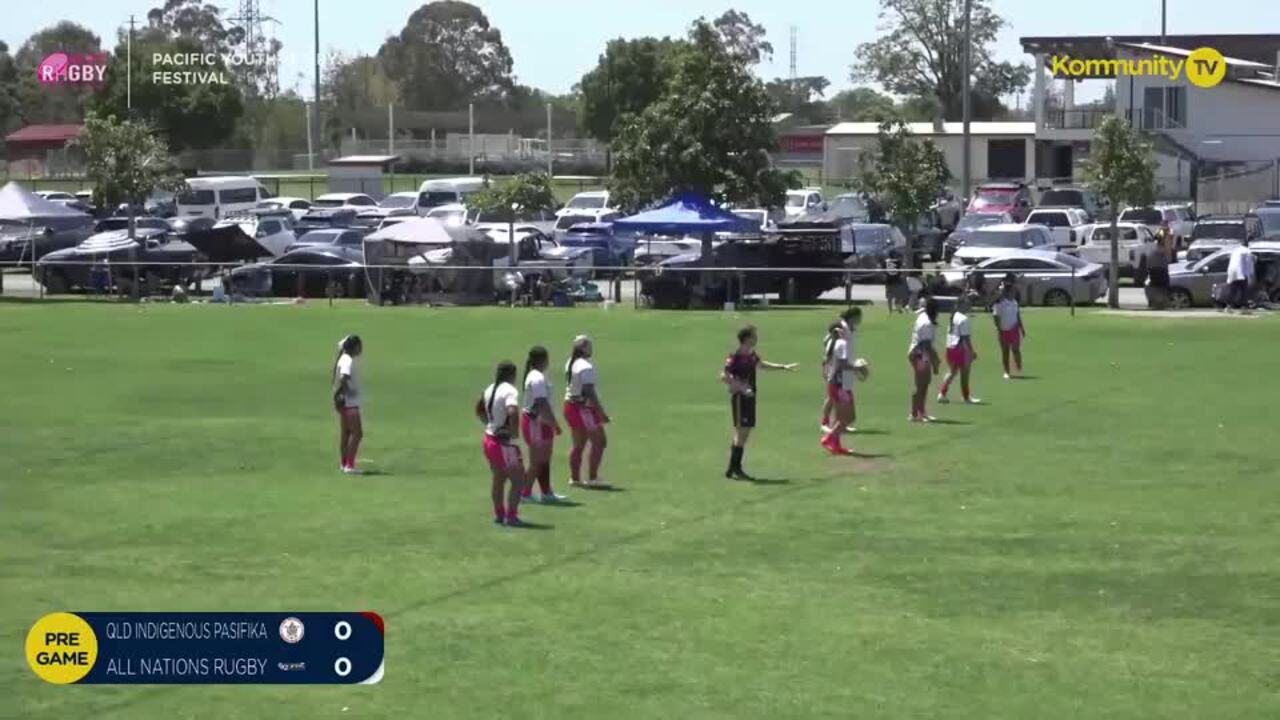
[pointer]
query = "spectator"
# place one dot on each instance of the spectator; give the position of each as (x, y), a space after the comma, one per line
(1157, 258)
(1239, 275)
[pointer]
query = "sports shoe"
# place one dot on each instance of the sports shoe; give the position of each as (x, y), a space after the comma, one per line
(972, 401)
(498, 521)
(914, 418)
(352, 470)
(1006, 376)
(927, 418)
(516, 522)
(551, 498)
(577, 483)
(598, 483)
(943, 399)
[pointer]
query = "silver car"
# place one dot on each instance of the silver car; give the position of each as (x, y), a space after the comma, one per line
(1191, 283)
(1044, 277)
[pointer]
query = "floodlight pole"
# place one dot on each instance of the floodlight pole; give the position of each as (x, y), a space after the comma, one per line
(967, 104)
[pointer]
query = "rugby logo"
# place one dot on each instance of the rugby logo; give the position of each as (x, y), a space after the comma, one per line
(292, 630)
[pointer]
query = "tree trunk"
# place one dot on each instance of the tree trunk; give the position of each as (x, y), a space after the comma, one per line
(1113, 271)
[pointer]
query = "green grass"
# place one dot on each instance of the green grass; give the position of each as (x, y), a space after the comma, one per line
(1099, 542)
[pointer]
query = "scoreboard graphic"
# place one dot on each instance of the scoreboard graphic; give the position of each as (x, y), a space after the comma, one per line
(316, 648)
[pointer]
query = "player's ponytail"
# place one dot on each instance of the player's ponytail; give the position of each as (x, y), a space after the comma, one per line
(537, 359)
(505, 373)
(345, 345)
(580, 345)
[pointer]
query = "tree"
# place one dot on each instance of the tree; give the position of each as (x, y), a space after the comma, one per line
(60, 103)
(802, 96)
(863, 104)
(356, 90)
(920, 53)
(530, 191)
(1121, 167)
(710, 131)
(448, 55)
(628, 78)
(125, 161)
(10, 106)
(905, 175)
(742, 39)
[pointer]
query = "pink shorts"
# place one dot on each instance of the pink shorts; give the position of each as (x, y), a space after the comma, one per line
(536, 432)
(581, 416)
(501, 456)
(1011, 337)
(958, 357)
(838, 394)
(349, 412)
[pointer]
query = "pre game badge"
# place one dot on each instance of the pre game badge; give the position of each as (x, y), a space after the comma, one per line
(61, 648)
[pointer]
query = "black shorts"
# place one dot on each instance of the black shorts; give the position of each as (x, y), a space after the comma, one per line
(744, 410)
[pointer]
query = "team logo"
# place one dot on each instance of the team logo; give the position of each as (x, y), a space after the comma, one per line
(1206, 67)
(292, 630)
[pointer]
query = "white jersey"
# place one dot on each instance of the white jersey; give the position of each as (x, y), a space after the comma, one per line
(922, 331)
(1006, 310)
(959, 329)
(500, 404)
(842, 357)
(1240, 264)
(348, 368)
(536, 387)
(581, 373)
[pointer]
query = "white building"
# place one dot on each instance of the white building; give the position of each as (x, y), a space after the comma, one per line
(998, 150)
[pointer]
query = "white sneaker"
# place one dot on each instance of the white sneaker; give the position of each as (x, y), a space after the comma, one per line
(1006, 376)
(352, 471)
(927, 418)
(943, 399)
(972, 401)
(598, 483)
(551, 498)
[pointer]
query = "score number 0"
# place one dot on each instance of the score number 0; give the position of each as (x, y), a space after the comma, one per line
(342, 631)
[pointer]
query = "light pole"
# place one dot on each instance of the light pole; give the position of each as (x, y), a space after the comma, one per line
(316, 73)
(966, 104)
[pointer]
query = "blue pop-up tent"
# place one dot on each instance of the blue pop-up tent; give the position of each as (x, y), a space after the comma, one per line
(685, 214)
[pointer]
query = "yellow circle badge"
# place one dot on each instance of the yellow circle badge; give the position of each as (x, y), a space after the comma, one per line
(61, 648)
(1206, 67)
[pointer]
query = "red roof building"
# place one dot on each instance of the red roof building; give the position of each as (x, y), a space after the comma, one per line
(33, 141)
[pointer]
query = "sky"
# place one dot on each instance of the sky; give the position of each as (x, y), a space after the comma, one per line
(554, 42)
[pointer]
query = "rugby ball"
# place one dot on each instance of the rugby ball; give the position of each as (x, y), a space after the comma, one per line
(862, 369)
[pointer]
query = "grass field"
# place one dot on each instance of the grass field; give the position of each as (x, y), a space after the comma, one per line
(1099, 541)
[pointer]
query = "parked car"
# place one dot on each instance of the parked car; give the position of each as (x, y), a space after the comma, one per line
(928, 238)
(119, 222)
(949, 211)
(1045, 277)
(653, 250)
(609, 249)
(872, 245)
(71, 269)
(543, 220)
(216, 196)
(585, 207)
(1135, 239)
(401, 203)
(850, 206)
(297, 206)
(303, 272)
(359, 201)
(1177, 219)
(1068, 226)
(24, 241)
(965, 228)
(1096, 206)
(320, 218)
(804, 200)
(1215, 232)
(343, 237)
(1270, 217)
(994, 240)
(539, 254)
(1011, 198)
(452, 214)
(764, 220)
(247, 236)
(448, 191)
(1191, 283)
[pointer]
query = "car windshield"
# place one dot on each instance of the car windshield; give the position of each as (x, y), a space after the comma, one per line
(1145, 216)
(1103, 234)
(398, 201)
(795, 199)
(1270, 220)
(997, 195)
(991, 238)
(977, 220)
(586, 202)
(1069, 198)
(319, 238)
(436, 198)
(1218, 231)
(328, 203)
(848, 207)
(567, 221)
(196, 197)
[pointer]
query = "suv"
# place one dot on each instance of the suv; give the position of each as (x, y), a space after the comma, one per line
(987, 242)
(1068, 225)
(804, 200)
(1215, 232)
(1095, 205)
(1012, 198)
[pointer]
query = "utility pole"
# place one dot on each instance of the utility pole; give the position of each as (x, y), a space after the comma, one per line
(391, 128)
(550, 157)
(319, 127)
(471, 139)
(1164, 16)
(966, 102)
(128, 75)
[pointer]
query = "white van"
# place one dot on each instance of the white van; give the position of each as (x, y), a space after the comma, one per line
(216, 197)
(447, 191)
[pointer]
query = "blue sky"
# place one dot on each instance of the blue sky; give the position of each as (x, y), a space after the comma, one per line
(554, 42)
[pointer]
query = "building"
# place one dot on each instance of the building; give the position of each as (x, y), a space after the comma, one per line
(36, 149)
(360, 174)
(800, 146)
(1200, 132)
(998, 150)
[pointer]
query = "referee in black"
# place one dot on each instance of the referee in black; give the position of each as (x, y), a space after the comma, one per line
(740, 375)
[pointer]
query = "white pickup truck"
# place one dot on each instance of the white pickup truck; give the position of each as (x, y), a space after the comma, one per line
(1068, 226)
(1135, 239)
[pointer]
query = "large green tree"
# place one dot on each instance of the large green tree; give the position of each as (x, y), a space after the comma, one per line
(10, 106)
(62, 103)
(447, 55)
(920, 53)
(629, 77)
(1121, 167)
(125, 161)
(802, 96)
(710, 131)
(863, 104)
(744, 40)
(905, 174)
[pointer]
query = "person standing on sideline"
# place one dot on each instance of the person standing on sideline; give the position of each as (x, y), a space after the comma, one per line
(740, 375)
(1007, 315)
(498, 408)
(346, 401)
(1240, 275)
(538, 424)
(923, 358)
(1158, 257)
(584, 413)
(960, 353)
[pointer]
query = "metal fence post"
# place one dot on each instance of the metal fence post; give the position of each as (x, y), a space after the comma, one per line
(1073, 291)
